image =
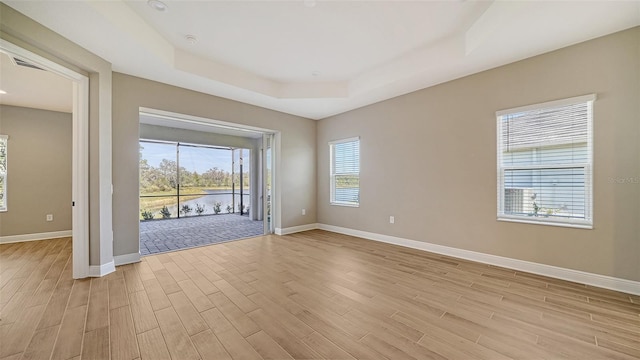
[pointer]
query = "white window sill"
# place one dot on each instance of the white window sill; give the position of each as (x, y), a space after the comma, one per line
(344, 204)
(576, 225)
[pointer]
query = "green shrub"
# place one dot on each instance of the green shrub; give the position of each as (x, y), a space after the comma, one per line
(229, 209)
(147, 215)
(200, 209)
(217, 208)
(166, 214)
(186, 210)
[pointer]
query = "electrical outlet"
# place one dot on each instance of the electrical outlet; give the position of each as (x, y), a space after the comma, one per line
(49, 217)
(392, 219)
(304, 211)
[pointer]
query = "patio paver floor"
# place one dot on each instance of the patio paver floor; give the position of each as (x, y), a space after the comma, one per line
(158, 236)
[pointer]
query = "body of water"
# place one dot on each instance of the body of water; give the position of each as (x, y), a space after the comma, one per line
(224, 197)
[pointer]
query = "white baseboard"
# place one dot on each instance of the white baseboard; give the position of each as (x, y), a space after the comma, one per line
(102, 270)
(33, 237)
(126, 259)
(607, 282)
(295, 229)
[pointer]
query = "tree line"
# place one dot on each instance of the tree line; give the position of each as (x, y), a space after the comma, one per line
(165, 177)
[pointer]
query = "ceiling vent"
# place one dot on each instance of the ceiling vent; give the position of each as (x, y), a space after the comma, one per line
(20, 62)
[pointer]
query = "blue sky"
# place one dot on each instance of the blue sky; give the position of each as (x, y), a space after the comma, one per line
(191, 158)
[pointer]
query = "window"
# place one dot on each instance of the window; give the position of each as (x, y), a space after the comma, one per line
(345, 172)
(3, 172)
(545, 161)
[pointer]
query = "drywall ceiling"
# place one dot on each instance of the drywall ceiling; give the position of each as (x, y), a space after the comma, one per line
(33, 88)
(317, 58)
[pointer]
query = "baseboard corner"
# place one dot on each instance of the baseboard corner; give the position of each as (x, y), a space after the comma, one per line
(295, 229)
(126, 259)
(102, 270)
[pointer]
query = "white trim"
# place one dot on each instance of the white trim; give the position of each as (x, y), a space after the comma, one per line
(574, 223)
(334, 142)
(607, 282)
(268, 143)
(201, 120)
(33, 237)
(102, 270)
(126, 259)
(549, 104)
(80, 153)
(295, 229)
(80, 183)
(342, 203)
(276, 183)
(4, 208)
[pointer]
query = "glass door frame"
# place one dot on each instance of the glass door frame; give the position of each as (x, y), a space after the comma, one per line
(267, 170)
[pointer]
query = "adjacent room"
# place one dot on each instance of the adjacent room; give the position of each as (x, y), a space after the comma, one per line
(321, 180)
(36, 134)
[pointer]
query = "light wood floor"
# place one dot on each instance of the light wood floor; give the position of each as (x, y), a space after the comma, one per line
(310, 295)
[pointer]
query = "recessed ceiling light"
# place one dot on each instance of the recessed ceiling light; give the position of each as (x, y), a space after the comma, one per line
(310, 3)
(192, 39)
(2, 92)
(157, 5)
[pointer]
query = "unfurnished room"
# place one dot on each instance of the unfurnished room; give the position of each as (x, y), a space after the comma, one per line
(315, 179)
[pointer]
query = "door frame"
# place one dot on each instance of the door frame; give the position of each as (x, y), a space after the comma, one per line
(268, 140)
(275, 154)
(80, 153)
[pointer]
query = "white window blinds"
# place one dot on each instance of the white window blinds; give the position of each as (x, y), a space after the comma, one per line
(345, 172)
(545, 161)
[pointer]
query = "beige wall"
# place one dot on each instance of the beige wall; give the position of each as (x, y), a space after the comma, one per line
(442, 137)
(297, 170)
(429, 159)
(30, 35)
(39, 177)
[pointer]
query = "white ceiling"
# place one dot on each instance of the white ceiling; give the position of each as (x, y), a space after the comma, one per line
(266, 52)
(33, 88)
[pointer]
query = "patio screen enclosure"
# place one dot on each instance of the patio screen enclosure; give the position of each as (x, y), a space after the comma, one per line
(179, 179)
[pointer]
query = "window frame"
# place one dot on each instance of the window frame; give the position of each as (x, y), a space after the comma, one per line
(332, 174)
(587, 222)
(3, 174)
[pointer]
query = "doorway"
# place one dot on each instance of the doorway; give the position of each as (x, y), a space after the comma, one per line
(80, 151)
(202, 181)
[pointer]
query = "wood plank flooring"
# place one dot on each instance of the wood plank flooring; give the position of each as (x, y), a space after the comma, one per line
(311, 295)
